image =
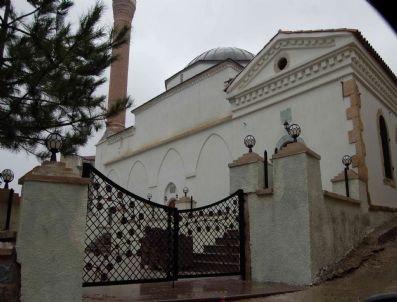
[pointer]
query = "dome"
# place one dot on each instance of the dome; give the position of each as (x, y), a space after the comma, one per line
(224, 53)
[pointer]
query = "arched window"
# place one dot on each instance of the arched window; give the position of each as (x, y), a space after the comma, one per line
(384, 137)
(170, 192)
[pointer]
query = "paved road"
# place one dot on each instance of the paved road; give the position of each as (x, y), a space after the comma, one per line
(376, 275)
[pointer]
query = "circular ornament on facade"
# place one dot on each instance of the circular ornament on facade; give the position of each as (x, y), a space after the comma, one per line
(282, 63)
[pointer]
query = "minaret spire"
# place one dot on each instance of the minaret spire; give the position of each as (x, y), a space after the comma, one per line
(123, 12)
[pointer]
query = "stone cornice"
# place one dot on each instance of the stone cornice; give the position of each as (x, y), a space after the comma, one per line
(189, 83)
(293, 78)
(53, 172)
(350, 55)
(282, 44)
(245, 159)
(375, 79)
(295, 149)
(341, 176)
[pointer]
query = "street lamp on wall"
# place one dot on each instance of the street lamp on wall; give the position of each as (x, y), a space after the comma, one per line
(53, 144)
(8, 176)
(249, 142)
(294, 131)
(185, 190)
(149, 196)
(346, 161)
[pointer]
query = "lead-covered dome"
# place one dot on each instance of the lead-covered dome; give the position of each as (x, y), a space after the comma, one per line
(223, 53)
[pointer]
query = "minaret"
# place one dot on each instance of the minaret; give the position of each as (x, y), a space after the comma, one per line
(123, 12)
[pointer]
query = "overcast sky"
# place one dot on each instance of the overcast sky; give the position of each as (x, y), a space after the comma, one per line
(168, 34)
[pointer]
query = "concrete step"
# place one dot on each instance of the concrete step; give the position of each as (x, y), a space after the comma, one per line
(227, 241)
(219, 249)
(209, 266)
(217, 257)
(232, 234)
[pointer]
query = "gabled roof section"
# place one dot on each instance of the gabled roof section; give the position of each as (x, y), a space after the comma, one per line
(364, 42)
(295, 39)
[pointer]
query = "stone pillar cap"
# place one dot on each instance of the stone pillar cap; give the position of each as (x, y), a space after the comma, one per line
(54, 172)
(294, 149)
(341, 176)
(184, 199)
(247, 158)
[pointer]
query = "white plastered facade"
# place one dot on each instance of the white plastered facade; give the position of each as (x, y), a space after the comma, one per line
(188, 134)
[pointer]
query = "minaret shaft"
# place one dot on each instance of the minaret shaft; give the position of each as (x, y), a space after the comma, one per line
(123, 12)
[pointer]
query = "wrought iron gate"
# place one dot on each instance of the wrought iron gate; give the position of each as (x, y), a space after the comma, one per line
(132, 240)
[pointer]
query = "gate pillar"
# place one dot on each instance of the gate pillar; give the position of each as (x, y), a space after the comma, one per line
(246, 173)
(281, 221)
(50, 243)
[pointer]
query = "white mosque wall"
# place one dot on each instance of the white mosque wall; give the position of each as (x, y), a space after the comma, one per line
(199, 104)
(137, 180)
(380, 193)
(188, 135)
(199, 161)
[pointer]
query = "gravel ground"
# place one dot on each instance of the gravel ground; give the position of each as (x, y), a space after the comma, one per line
(376, 275)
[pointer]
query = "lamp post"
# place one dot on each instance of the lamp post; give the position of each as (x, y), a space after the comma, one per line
(249, 142)
(294, 131)
(7, 175)
(347, 160)
(185, 190)
(53, 144)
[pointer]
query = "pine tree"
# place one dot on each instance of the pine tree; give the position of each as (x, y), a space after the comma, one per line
(49, 73)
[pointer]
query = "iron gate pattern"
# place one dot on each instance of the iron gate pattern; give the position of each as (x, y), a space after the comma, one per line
(131, 240)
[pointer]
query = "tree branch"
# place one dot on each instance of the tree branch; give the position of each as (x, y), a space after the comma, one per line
(26, 15)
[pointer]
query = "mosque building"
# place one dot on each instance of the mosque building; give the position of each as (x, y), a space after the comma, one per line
(331, 83)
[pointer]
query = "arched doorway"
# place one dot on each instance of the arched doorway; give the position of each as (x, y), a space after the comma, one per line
(170, 193)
